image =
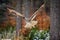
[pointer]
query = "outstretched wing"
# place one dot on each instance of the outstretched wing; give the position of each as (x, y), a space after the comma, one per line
(17, 13)
(34, 15)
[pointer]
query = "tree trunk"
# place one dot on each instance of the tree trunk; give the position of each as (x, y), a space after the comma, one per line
(55, 20)
(47, 6)
(26, 10)
(18, 19)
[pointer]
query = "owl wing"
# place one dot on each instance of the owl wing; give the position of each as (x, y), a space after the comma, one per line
(35, 13)
(17, 13)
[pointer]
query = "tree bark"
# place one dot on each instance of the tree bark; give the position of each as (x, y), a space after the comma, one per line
(55, 19)
(26, 10)
(18, 19)
(47, 6)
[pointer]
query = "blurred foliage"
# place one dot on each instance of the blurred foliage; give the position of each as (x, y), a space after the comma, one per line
(36, 34)
(7, 28)
(7, 32)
